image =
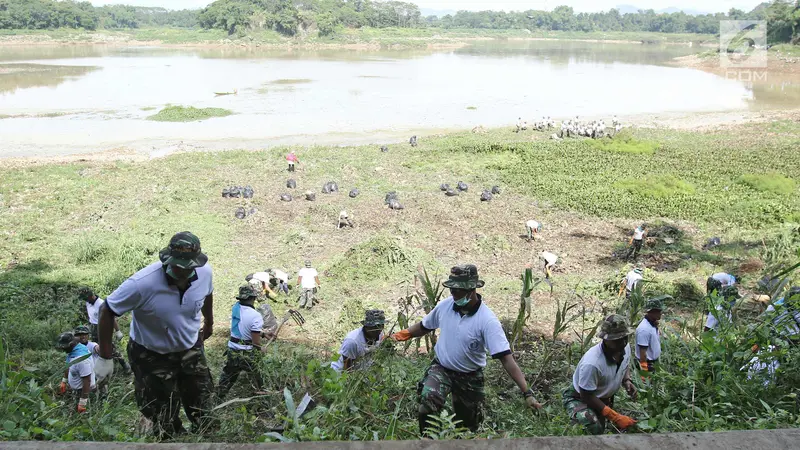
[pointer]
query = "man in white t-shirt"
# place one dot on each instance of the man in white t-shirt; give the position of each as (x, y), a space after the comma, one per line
(244, 344)
(468, 330)
(550, 260)
(169, 300)
(533, 228)
(730, 295)
(79, 376)
(93, 305)
(648, 336)
(308, 280)
(637, 240)
(631, 280)
(279, 279)
(344, 220)
(360, 342)
(601, 372)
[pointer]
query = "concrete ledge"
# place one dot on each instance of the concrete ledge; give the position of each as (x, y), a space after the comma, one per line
(727, 440)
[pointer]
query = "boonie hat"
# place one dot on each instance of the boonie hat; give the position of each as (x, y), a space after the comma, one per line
(464, 276)
(374, 318)
(247, 292)
(65, 339)
(656, 302)
(183, 252)
(614, 327)
(83, 329)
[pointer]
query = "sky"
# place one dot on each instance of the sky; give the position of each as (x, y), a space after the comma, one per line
(508, 5)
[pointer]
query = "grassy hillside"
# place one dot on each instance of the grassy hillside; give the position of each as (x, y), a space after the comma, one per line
(94, 223)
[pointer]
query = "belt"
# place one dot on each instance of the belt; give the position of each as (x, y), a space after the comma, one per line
(236, 340)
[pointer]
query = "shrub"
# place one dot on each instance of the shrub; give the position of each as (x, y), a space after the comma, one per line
(657, 186)
(770, 182)
(625, 143)
(188, 114)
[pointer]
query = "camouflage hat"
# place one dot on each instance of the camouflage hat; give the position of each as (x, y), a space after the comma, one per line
(656, 302)
(85, 293)
(65, 340)
(83, 329)
(308, 263)
(247, 292)
(183, 252)
(374, 318)
(614, 327)
(465, 277)
(730, 292)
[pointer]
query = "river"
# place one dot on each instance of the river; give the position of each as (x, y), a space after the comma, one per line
(80, 99)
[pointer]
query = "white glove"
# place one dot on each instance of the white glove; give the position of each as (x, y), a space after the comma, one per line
(118, 335)
(103, 368)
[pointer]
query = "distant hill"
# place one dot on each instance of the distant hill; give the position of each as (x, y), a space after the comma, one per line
(625, 9)
(436, 12)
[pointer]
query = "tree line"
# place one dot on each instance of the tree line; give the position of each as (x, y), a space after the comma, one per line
(326, 17)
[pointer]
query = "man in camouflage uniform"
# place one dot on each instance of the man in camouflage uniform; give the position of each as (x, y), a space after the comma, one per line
(167, 299)
(244, 345)
(601, 372)
(468, 329)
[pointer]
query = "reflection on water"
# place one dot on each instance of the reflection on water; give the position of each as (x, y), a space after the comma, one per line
(302, 96)
(22, 76)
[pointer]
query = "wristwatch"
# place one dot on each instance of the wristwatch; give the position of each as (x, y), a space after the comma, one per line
(528, 393)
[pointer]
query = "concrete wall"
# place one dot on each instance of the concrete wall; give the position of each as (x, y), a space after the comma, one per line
(728, 440)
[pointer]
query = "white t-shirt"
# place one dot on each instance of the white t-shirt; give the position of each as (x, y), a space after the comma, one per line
(79, 370)
(162, 321)
(464, 341)
(712, 322)
(261, 276)
(244, 321)
(638, 234)
(595, 373)
(281, 275)
(648, 336)
(549, 258)
(307, 276)
(532, 224)
(93, 349)
(94, 310)
(353, 347)
(631, 279)
(725, 278)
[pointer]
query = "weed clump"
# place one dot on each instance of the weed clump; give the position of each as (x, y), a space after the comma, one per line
(770, 182)
(382, 257)
(659, 186)
(625, 143)
(188, 114)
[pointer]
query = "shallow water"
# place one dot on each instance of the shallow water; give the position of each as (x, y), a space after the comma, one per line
(59, 100)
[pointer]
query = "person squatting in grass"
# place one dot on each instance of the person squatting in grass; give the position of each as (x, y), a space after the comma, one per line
(361, 342)
(630, 281)
(533, 228)
(244, 345)
(166, 352)
(93, 304)
(468, 329)
(79, 376)
(601, 372)
(550, 260)
(648, 336)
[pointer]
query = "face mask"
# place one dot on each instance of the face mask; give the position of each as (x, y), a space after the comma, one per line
(462, 302)
(172, 274)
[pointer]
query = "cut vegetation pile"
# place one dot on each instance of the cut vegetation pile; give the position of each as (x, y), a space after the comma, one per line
(188, 114)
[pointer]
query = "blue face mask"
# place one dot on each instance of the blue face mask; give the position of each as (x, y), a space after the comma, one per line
(462, 302)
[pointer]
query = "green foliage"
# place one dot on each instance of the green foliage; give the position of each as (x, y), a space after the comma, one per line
(188, 114)
(658, 187)
(625, 143)
(382, 257)
(771, 182)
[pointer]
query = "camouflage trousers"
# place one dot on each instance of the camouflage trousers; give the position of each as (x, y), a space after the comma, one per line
(635, 248)
(163, 382)
(239, 361)
(307, 298)
(467, 390)
(581, 414)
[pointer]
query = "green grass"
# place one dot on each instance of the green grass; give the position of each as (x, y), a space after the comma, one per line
(771, 182)
(658, 187)
(472, 108)
(626, 144)
(188, 114)
(284, 81)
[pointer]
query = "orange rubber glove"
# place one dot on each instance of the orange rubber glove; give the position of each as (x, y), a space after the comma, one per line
(623, 422)
(754, 348)
(645, 366)
(402, 335)
(82, 404)
(62, 388)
